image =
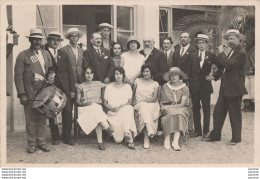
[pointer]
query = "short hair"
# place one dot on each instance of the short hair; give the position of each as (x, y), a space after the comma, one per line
(121, 70)
(186, 33)
(112, 51)
(149, 66)
(91, 68)
(168, 38)
(92, 35)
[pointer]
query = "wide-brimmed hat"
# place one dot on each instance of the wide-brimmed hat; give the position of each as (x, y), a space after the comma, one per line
(132, 38)
(176, 70)
(102, 25)
(73, 30)
(55, 35)
(36, 33)
(233, 32)
(202, 37)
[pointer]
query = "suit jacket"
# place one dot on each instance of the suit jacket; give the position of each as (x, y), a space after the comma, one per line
(64, 78)
(198, 74)
(169, 59)
(158, 61)
(25, 69)
(184, 62)
(233, 79)
(103, 64)
(77, 65)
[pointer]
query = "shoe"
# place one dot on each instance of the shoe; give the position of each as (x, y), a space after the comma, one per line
(44, 148)
(176, 147)
(101, 146)
(205, 135)
(31, 149)
(131, 146)
(232, 143)
(127, 136)
(55, 142)
(195, 134)
(70, 142)
(209, 139)
(167, 144)
(146, 145)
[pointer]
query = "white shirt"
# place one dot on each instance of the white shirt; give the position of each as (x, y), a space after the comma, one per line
(97, 49)
(185, 49)
(39, 56)
(203, 53)
(75, 50)
(54, 54)
(147, 55)
(168, 53)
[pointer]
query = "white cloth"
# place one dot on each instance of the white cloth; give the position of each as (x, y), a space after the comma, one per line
(39, 56)
(132, 64)
(202, 57)
(185, 49)
(54, 54)
(168, 53)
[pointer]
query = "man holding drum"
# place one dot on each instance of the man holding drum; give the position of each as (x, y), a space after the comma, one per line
(32, 67)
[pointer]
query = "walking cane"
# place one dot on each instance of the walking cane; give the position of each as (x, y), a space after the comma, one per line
(75, 120)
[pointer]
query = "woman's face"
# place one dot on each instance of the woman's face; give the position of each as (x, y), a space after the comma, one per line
(174, 77)
(89, 75)
(117, 49)
(133, 45)
(147, 73)
(118, 76)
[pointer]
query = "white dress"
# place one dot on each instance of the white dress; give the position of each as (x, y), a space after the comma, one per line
(122, 121)
(147, 114)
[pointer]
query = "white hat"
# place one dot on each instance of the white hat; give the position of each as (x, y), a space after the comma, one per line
(233, 32)
(202, 37)
(176, 70)
(105, 25)
(55, 35)
(73, 30)
(36, 33)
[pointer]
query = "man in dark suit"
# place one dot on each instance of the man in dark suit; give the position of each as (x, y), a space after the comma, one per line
(105, 31)
(74, 58)
(156, 58)
(168, 51)
(200, 84)
(232, 88)
(99, 58)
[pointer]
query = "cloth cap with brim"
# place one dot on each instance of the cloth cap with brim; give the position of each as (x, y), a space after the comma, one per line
(102, 25)
(176, 70)
(54, 35)
(73, 30)
(202, 37)
(130, 39)
(233, 32)
(36, 33)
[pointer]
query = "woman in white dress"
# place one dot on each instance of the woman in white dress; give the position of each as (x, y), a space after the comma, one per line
(146, 104)
(90, 113)
(132, 60)
(117, 100)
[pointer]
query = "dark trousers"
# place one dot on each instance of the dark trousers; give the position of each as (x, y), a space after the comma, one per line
(204, 98)
(233, 106)
(54, 130)
(67, 119)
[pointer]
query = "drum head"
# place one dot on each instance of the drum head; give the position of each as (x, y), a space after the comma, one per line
(43, 96)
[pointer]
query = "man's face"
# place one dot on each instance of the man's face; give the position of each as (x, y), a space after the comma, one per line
(105, 32)
(185, 39)
(74, 38)
(53, 43)
(96, 40)
(36, 43)
(233, 41)
(148, 43)
(166, 44)
(202, 45)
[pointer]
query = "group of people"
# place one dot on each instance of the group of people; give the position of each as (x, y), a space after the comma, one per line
(129, 93)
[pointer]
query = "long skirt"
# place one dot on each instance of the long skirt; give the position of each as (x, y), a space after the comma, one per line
(122, 122)
(147, 114)
(90, 116)
(176, 119)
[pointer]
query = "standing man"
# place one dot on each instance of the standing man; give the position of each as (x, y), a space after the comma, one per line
(74, 57)
(99, 58)
(156, 58)
(168, 51)
(200, 84)
(64, 79)
(232, 88)
(31, 68)
(105, 30)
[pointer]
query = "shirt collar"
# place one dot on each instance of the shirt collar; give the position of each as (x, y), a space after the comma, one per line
(186, 47)
(96, 48)
(203, 52)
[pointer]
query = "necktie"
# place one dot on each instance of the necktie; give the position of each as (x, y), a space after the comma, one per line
(229, 55)
(55, 51)
(98, 51)
(165, 53)
(200, 57)
(182, 50)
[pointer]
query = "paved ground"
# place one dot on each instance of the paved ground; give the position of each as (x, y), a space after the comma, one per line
(193, 151)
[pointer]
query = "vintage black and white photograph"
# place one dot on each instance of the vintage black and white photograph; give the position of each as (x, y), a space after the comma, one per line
(129, 84)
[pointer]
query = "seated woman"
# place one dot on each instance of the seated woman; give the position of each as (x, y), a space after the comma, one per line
(117, 100)
(116, 52)
(146, 104)
(90, 113)
(174, 107)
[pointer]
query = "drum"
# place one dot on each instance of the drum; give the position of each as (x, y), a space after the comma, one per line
(50, 101)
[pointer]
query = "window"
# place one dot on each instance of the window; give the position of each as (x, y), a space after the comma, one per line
(164, 23)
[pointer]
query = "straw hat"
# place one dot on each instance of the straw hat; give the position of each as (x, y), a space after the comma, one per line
(36, 33)
(73, 30)
(233, 32)
(175, 70)
(202, 37)
(55, 35)
(132, 38)
(102, 25)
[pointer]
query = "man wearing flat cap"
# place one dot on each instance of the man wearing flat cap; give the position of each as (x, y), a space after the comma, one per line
(105, 30)
(64, 79)
(232, 88)
(200, 84)
(33, 66)
(74, 55)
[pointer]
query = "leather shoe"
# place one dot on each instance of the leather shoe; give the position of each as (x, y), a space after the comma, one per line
(232, 143)
(101, 146)
(209, 139)
(70, 142)
(55, 142)
(44, 148)
(205, 135)
(195, 134)
(31, 149)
